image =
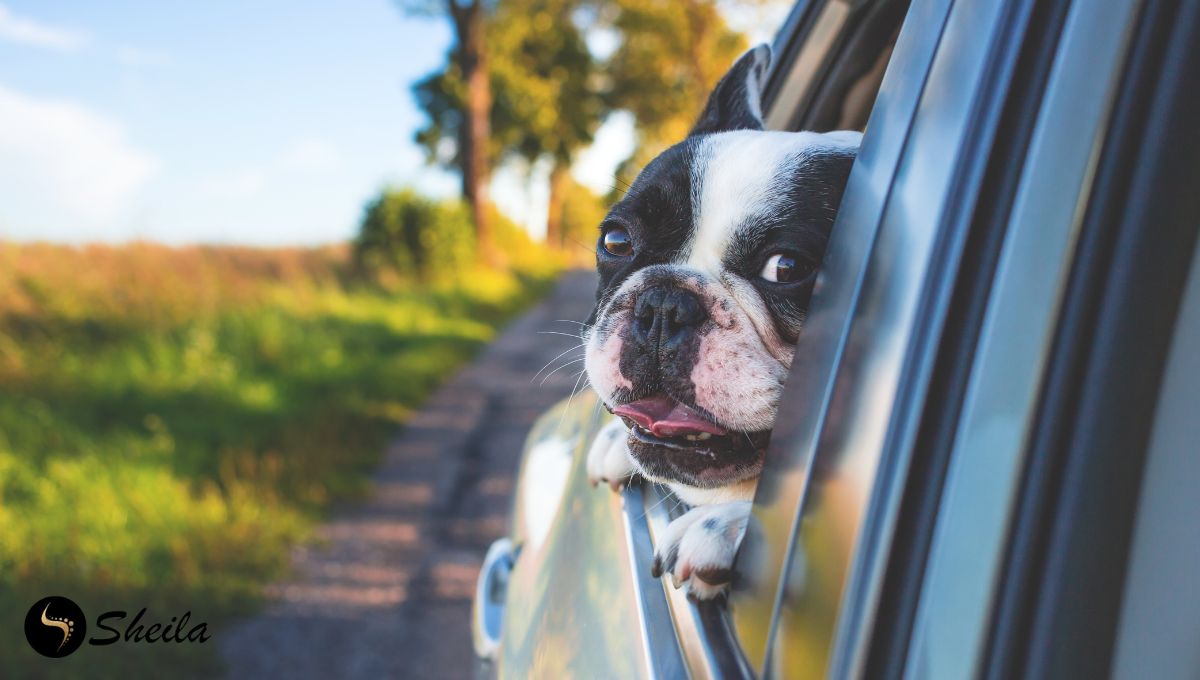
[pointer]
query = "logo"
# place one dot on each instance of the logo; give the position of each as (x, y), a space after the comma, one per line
(55, 626)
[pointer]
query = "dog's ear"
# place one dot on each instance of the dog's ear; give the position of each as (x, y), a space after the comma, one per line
(736, 102)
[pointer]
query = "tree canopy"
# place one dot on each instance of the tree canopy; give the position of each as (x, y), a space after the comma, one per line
(549, 92)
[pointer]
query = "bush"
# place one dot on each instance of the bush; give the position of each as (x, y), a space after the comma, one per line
(408, 238)
(408, 235)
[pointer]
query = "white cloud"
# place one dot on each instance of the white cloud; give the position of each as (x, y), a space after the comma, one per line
(26, 31)
(312, 154)
(240, 184)
(308, 156)
(73, 161)
(128, 55)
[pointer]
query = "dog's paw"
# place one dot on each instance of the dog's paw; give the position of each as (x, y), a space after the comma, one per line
(608, 459)
(698, 548)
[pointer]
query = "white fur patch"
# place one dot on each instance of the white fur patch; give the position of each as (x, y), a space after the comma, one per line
(608, 459)
(735, 179)
(704, 539)
(602, 357)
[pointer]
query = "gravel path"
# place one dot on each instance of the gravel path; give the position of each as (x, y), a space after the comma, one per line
(386, 592)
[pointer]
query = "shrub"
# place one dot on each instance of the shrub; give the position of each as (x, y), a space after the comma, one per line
(406, 237)
(413, 237)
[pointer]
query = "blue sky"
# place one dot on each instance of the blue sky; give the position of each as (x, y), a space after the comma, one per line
(264, 122)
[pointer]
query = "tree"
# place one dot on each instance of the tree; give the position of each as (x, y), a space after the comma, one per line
(545, 98)
(547, 93)
(409, 237)
(466, 90)
(548, 101)
(671, 54)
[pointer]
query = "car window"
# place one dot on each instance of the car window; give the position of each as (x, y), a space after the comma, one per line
(829, 65)
(805, 406)
(999, 407)
(838, 471)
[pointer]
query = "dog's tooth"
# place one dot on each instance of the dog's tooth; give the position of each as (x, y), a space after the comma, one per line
(692, 437)
(703, 435)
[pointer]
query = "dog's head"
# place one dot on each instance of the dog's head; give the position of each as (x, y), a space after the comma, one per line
(706, 269)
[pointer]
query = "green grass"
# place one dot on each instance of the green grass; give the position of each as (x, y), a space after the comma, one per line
(172, 421)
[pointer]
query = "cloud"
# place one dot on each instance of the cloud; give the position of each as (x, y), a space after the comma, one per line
(25, 31)
(240, 184)
(76, 161)
(129, 55)
(311, 155)
(306, 156)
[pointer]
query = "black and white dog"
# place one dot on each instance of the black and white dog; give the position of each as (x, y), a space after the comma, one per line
(706, 269)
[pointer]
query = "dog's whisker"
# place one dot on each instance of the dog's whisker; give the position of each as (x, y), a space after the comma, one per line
(573, 361)
(571, 349)
(569, 400)
(565, 335)
(577, 323)
(675, 507)
(618, 185)
(586, 248)
(666, 497)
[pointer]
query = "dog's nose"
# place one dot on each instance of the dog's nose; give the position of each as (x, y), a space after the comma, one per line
(665, 316)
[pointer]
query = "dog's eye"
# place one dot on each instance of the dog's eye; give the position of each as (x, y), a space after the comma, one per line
(781, 268)
(617, 242)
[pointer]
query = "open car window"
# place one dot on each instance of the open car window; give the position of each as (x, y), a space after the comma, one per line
(856, 328)
(830, 59)
(945, 141)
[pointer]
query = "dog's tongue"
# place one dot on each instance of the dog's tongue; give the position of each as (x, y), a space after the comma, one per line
(662, 416)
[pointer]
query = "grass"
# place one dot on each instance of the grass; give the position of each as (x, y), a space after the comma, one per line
(173, 420)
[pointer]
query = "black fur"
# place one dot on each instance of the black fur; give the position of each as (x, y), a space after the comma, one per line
(733, 104)
(660, 215)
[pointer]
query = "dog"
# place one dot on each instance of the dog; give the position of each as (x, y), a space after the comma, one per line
(706, 268)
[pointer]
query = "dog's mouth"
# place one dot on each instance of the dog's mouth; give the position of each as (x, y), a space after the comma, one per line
(678, 442)
(659, 419)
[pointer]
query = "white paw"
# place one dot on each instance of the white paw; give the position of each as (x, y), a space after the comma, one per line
(698, 548)
(608, 459)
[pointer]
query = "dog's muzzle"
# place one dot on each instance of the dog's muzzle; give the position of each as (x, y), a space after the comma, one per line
(665, 318)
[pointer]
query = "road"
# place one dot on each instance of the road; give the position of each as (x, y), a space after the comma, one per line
(386, 589)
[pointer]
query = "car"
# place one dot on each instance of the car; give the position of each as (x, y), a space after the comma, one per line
(985, 457)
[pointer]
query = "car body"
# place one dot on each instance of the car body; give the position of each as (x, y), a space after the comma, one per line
(981, 463)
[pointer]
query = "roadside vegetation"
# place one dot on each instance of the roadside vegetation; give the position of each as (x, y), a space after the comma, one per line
(173, 420)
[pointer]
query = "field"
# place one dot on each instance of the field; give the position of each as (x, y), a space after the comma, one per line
(173, 420)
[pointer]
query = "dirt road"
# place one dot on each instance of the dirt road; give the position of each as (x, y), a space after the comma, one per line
(386, 592)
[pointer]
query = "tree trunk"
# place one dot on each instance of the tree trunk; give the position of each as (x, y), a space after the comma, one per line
(476, 131)
(559, 176)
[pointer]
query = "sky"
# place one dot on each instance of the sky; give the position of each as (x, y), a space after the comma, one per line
(260, 123)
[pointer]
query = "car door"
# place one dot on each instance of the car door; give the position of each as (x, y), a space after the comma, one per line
(959, 492)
